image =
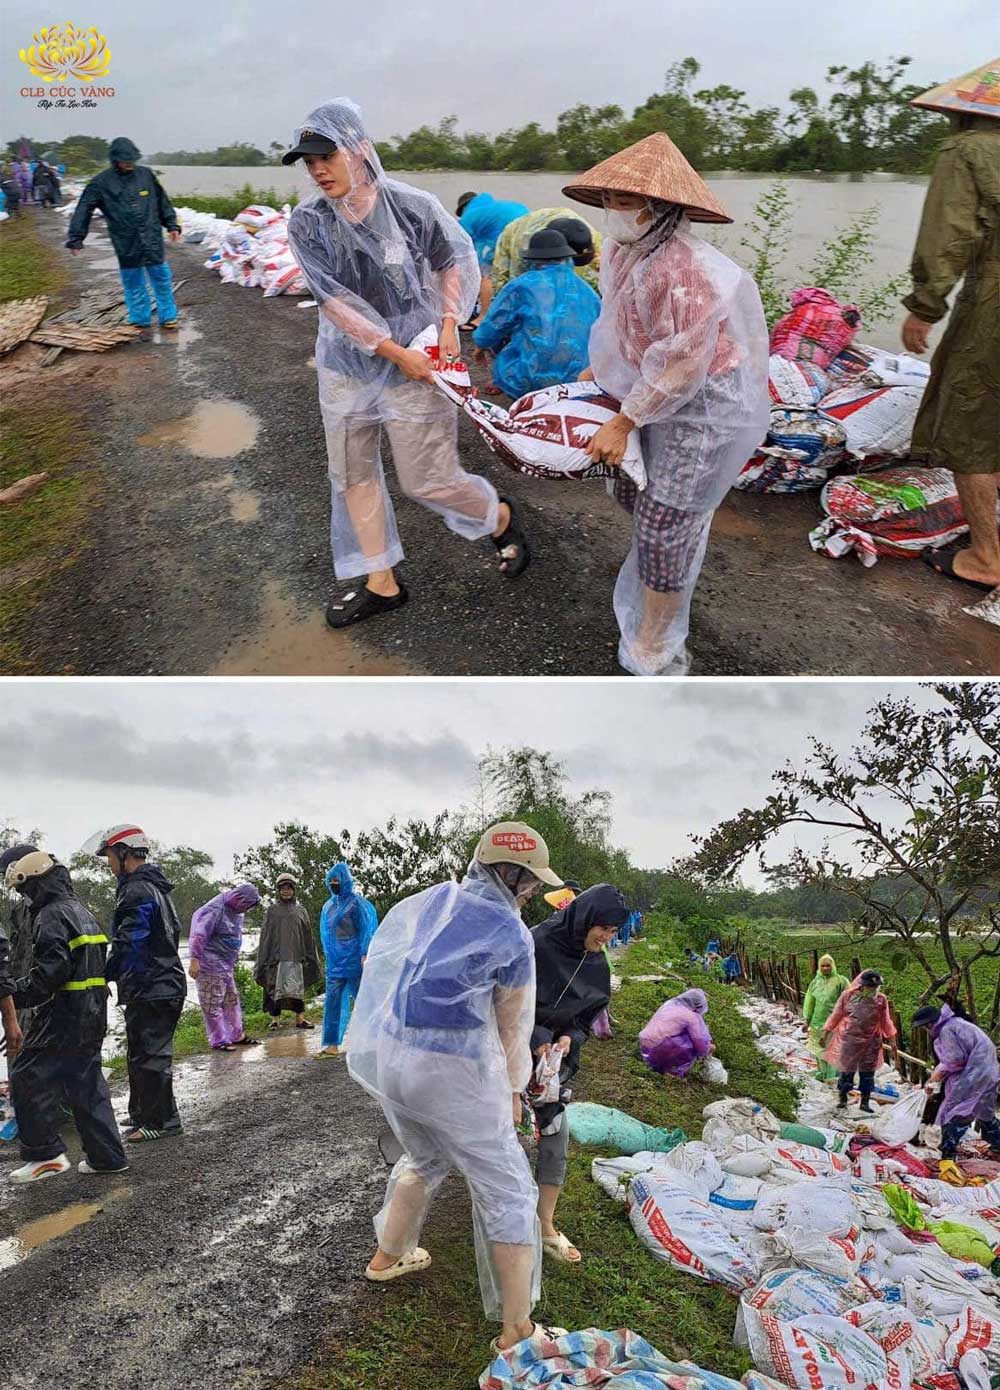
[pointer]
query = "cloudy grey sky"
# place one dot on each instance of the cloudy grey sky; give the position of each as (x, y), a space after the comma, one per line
(193, 76)
(216, 765)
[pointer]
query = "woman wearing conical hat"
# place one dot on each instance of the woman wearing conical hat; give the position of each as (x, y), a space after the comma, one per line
(682, 343)
(958, 426)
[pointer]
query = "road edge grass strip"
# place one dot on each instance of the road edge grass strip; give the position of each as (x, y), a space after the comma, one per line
(227, 205)
(29, 266)
(427, 1332)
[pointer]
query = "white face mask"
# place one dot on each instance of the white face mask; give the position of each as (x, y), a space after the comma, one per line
(623, 225)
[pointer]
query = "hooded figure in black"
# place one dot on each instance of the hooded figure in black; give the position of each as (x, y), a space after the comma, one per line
(572, 986)
(60, 1054)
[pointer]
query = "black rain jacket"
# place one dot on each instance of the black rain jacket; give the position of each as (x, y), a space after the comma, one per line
(135, 206)
(145, 960)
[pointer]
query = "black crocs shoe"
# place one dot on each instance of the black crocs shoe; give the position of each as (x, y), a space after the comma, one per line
(360, 604)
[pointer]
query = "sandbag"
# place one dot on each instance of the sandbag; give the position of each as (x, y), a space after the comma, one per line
(877, 420)
(898, 1124)
(613, 1129)
(818, 1352)
(258, 215)
(613, 1175)
(899, 511)
(801, 448)
(791, 1293)
(714, 1072)
(817, 328)
(801, 384)
(683, 1231)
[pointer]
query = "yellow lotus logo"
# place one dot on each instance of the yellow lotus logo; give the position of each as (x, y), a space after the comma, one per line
(63, 51)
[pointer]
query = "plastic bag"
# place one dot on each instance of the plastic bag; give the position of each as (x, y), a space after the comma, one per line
(289, 980)
(899, 1123)
(613, 1129)
(684, 1231)
(714, 1072)
(897, 511)
(817, 329)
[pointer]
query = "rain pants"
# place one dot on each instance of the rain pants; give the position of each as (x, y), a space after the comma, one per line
(60, 1058)
(508, 254)
(287, 963)
(484, 218)
(215, 941)
(858, 1023)
(682, 343)
(144, 961)
(441, 1037)
(958, 423)
(539, 326)
(821, 995)
(968, 1060)
(136, 209)
(384, 262)
(346, 927)
(677, 1035)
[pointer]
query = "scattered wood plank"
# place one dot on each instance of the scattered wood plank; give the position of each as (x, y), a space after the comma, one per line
(22, 488)
(19, 319)
(85, 337)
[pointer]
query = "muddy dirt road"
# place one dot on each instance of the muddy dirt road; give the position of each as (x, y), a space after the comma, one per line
(203, 1264)
(205, 547)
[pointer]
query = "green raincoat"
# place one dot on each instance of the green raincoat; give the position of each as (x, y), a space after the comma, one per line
(821, 995)
(958, 424)
(135, 207)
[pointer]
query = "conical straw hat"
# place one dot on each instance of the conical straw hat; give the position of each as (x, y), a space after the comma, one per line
(654, 168)
(975, 94)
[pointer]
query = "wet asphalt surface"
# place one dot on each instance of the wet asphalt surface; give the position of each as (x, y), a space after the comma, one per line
(204, 1265)
(206, 565)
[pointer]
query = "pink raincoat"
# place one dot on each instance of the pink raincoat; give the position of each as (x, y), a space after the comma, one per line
(677, 1036)
(858, 1024)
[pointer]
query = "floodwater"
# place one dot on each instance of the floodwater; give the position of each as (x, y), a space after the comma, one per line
(34, 1234)
(215, 429)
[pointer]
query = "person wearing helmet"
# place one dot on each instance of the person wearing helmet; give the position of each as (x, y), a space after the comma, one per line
(346, 927)
(145, 964)
(853, 1036)
(60, 1053)
(441, 1037)
(287, 962)
(214, 948)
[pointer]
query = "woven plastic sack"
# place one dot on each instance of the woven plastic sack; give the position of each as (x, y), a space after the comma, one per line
(258, 215)
(898, 1124)
(899, 511)
(792, 1293)
(683, 1230)
(817, 329)
(801, 449)
(613, 1129)
(824, 1353)
(877, 420)
(801, 384)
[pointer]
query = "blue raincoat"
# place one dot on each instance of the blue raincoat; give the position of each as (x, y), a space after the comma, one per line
(484, 219)
(346, 927)
(540, 322)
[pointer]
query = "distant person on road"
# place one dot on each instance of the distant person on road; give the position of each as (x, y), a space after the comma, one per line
(968, 1069)
(214, 944)
(145, 964)
(822, 993)
(508, 255)
(59, 1055)
(346, 927)
(22, 172)
(441, 1037)
(45, 183)
(853, 1035)
(10, 186)
(682, 344)
(136, 210)
(385, 262)
(572, 988)
(287, 963)
(484, 218)
(539, 324)
(958, 424)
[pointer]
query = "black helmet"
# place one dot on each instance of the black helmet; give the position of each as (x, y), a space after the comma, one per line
(579, 236)
(548, 245)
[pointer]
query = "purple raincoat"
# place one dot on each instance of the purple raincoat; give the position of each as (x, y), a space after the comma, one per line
(677, 1035)
(968, 1060)
(217, 929)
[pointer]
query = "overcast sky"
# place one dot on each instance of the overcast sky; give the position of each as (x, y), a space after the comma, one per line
(192, 76)
(216, 765)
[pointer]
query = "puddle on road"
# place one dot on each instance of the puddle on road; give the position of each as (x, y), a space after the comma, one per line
(214, 430)
(304, 1042)
(34, 1234)
(181, 337)
(244, 505)
(290, 644)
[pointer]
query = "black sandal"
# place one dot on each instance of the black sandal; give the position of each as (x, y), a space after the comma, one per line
(943, 562)
(363, 603)
(246, 1041)
(513, 539)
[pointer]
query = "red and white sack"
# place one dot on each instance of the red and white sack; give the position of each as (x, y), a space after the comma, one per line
(869, 514)
(975, 1331)
(877, 420)
(811, 1162)
(817, 328)
(792, 1293)
(258, 215)
(824, 1353)
(795, 383)
(682, 1230)
(284, 278)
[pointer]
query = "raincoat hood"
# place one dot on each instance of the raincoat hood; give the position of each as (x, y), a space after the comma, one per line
(241, 898)
(151, 874)
(123, 151)
(694, 999)
(828, 960)
(346, 925)
(341, 874)
(340, 120)
(600, 906)
(946, 1014)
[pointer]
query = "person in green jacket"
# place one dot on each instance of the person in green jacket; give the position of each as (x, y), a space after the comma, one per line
(136, 209)
(958, 424)
(825, 988)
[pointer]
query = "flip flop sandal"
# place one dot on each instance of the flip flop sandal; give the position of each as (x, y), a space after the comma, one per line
(558, 1246)
(943, 562)
(305, 1024)
(512, 546)
(144, 1136)
(223, 1047)
(411, 1263)
(539, 1335)
(246, 1041)
(361, 604)
(274, 1026)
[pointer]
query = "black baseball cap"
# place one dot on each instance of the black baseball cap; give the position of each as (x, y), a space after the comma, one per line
(309, 143)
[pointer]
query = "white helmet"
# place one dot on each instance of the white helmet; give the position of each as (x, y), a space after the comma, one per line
(127, 835)
(32, 865)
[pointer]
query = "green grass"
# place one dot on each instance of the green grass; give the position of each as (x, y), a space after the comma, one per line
(229, 204)
(28, 265)
(427, 1333)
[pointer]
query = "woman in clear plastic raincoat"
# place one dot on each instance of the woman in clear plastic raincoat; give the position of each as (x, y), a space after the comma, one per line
(385, 262)
(346, 927)
(683, 344)
(822, 993)
(441, 1037)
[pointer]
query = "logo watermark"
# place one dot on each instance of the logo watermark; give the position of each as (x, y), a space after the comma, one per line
(63, 51)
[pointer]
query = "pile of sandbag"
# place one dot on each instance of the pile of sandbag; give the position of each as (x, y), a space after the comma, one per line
(897, 511)
(253, 251)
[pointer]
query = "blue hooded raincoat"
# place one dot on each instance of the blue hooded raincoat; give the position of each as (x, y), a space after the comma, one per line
(346, 927)
(484, 219)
